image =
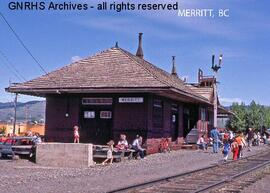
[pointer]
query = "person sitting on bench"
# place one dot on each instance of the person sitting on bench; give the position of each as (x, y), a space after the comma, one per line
(137, 146)
(122, 143)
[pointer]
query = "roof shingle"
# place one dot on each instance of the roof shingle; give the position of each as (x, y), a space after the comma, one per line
(112, 68)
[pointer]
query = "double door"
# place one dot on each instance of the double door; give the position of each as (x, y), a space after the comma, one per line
(96, 124)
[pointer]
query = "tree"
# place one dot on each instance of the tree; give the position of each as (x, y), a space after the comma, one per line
(267, 117)
(3, 130)
(254, 116)
(237, 122)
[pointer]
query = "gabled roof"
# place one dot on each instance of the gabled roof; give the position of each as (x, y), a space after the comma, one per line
(114, 68)
(207, 92)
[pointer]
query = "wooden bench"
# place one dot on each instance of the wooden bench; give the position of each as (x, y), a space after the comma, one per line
(100, 151)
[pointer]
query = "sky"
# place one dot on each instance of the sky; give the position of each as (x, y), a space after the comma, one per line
(56, 38)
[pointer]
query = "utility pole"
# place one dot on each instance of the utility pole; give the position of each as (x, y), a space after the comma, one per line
(215, 68)
(15, 113)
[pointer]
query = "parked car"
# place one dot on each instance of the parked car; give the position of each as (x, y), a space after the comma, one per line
(2, 139)
(17, 146)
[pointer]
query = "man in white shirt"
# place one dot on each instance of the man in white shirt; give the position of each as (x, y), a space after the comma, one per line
(137, 146)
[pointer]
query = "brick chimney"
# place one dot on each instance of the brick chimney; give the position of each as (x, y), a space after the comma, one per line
(174, 72)
(139, 52)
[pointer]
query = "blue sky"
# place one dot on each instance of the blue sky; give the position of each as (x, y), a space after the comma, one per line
(57, 37)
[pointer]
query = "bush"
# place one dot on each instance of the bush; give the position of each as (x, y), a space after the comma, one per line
(3, 130)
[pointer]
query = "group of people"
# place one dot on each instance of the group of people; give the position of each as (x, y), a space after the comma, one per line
(231, 142)
(123, 145)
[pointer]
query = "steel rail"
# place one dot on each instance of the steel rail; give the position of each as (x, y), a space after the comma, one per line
(232, 177)
(139, 186)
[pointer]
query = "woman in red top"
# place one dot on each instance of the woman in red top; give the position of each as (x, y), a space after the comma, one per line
(235, 149)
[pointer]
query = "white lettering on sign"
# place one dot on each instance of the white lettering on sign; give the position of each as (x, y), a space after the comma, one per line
(131, 100)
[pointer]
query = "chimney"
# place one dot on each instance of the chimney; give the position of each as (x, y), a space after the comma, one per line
(139, 52)
(174, 73)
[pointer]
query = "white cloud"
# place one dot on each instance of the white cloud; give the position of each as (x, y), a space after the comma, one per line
(229, 101)
(75, 58)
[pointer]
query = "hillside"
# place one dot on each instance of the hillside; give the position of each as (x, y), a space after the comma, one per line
(32, 110)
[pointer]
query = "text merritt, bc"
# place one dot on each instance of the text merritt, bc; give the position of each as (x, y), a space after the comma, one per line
(202, 13)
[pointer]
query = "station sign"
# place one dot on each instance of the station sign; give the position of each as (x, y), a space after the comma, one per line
(131, 100)
(97, 101)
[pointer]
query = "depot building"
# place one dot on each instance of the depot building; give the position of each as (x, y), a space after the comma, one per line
(115, 92)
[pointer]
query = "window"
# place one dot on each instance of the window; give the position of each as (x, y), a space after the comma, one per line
(89, 114)
(175, 107)
(203, 114)
(158, 113)
(105, 114)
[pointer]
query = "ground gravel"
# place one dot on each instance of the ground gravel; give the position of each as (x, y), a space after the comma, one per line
(25, 177)
(261, 186)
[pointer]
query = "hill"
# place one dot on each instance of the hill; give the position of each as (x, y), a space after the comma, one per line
(32, 110)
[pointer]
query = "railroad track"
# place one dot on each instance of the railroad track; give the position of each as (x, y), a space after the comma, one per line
(232, 176)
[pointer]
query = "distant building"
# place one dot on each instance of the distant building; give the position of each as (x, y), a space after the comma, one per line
(22, 128)
(116, 92)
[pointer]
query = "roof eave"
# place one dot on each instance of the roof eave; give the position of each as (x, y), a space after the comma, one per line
(46, 91)
(199, 99)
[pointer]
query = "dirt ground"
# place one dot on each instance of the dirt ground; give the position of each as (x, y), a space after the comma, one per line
(24, 176)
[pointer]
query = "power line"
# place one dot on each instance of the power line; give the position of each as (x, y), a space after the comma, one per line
(12, 71)
(12, 66)
(22, 43)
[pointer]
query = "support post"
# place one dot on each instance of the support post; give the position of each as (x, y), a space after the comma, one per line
(215, 100)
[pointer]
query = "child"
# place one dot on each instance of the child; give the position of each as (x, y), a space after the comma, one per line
(123, 143)
(109, 153)
(235, 149)
(226, 149)
(165, 145)
(76, 134)
(201, 143)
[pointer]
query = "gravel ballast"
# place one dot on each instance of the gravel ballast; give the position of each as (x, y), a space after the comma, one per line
(24, 176)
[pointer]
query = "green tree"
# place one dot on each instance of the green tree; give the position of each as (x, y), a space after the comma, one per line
(3, 130)
(238, 121)
(254, 116)
(267, 117)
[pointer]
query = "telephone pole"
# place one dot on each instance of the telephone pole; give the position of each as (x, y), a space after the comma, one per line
(15, 113)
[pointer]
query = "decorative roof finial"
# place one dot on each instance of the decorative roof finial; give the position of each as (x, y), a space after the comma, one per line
(174, 72)
(139, 52)
(116, 45)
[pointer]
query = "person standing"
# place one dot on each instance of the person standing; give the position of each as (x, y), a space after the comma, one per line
(231, 136)
(241, 143)
(250, 136)
(258, 138)
(226, 149)
(76, 134)
(215, 136)
(235, 149)
(109, 158)
(255, 137)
